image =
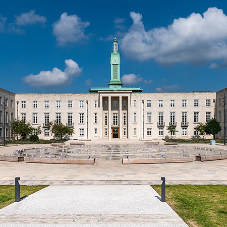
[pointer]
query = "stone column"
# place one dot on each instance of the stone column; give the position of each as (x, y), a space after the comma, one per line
(109, 117)
(101, 118)
(120, 117)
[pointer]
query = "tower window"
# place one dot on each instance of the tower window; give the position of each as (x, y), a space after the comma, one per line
(115, 71)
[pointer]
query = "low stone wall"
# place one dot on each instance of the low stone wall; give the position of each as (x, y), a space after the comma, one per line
(77, 143)
(57, 144)
(152, 143)
(11, 158)
(170, 143)
(203, 158)
(157, 160)
(59, 160)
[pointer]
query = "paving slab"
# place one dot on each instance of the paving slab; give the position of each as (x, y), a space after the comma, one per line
(91, 205)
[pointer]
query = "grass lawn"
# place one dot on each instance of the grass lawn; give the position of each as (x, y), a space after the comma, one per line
(7, 193)
(198, 205)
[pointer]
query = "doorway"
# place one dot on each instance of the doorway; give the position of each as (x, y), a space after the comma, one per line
(115, 133)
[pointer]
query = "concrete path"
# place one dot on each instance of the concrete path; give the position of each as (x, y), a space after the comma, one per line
(92, 205)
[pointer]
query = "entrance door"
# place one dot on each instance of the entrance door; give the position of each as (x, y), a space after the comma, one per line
(115, 133)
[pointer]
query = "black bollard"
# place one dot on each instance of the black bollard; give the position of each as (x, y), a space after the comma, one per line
(17, 189)
(163, 190)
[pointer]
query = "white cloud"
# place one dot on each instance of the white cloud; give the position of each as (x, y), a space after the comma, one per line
(29, 18)
(2, 23)
(133, 79)
(221, 65)
(119, 23)
(166, 88)
(195, 40)
(26, 19)
(56, 77)
(88, 82)
(69, 29)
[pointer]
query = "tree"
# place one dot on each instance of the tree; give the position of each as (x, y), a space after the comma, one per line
(213, 127)
(60, 129)
(172, 128)
(201, 129)
(22, 128)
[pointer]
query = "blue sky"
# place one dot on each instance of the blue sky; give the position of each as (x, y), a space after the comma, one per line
(64, 46)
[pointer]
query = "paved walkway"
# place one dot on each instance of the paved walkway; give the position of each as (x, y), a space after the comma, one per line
(91, 205)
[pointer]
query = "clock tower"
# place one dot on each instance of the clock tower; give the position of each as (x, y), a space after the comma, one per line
(115, 82)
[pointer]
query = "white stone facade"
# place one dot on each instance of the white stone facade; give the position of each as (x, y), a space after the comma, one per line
(139, 116)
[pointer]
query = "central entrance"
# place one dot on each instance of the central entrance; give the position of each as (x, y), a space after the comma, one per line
(115, 133)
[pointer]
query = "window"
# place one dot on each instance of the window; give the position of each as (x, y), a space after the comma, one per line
(81, 118)
(134, 131)
(46, 132)
(6, 102)
(114, 104)
(208, 116)
(81, 131)
(219, 116)
(148, 117)
(172, 103)
(196, 102)
(196, 133)
(70, 119)
(148, 131)
(0, 100)
(46, 118)
(105, 118)
(7, 118)
(0, 116)
(172, 133)
(0, 132)
(7, 132)
(134, 118)
(105, 104)
(207, 102)
(106, 132)
(160, 118)
(196, 117)
(148, 103)
(124, 118)
(134, 103)
(35, 118)
(184, 131)
(160, 131)
(81, 104)
(124, 104)
(219, 102)
(184, 103)
(35, 105)
(11, 103)
(184, 118)
(96, 121)
(58, 118)
(172, 118)
(11, 116)
(160, 103)
(46, 104)
(23, 116)
(115, 120)
(95, 103)
(58, 104)
(124, 131)
(95, 131)
(23, 104)
(70, 104)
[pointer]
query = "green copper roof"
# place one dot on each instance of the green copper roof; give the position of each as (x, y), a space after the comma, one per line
(97, 89)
